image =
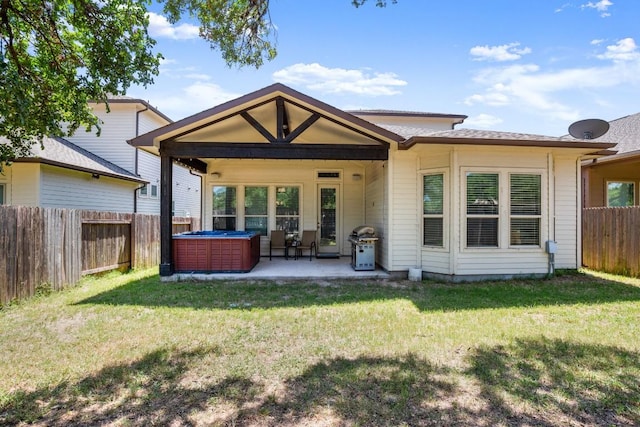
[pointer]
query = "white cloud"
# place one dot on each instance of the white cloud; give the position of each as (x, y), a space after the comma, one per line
(601, 6)
(192, 99)
(483, 121)
(623, 50)
(505, 52)
(339, 80)
(530, 87)
(197, 76)
(597, 42)
(160, 27)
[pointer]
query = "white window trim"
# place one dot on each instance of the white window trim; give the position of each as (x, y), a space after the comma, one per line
(445, 209)
(239, 216)
(539, 217)
(615, 181)
(504, 206)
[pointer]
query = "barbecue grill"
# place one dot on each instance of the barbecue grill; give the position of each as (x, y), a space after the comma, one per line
(363, 248)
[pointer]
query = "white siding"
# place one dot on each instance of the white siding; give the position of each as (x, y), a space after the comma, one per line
(149, 170)
(566, 212)
(404, 208)
(186, 192)
(375, 208)
(63, 188)
(24, 189)
(117, 127)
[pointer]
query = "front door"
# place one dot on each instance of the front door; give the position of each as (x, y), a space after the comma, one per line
(328, 225)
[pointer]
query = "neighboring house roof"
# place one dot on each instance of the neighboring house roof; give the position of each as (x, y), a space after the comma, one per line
(123, 99)
(625, 132)
(400, 113)
(62, 153)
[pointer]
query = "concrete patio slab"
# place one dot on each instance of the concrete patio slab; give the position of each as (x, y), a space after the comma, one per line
(283, 269)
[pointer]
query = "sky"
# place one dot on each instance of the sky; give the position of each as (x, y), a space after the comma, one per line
(529, 66)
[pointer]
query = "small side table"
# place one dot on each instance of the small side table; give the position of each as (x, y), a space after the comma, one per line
(293, 244)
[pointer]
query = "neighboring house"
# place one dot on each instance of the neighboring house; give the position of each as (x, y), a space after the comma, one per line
(63, 175)
(58, 187)
(615, 180)
(460, 204)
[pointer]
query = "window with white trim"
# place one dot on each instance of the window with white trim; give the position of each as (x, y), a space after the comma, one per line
(288, 209)
(525, 209)
(144, 191)
(2, 194)
(256, 209)
(433, 210)
(621, 193)
(483, 210)
(224, 208)
(154, 191)
(503, 209)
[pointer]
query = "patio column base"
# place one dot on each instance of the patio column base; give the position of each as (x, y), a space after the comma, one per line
(166, 269)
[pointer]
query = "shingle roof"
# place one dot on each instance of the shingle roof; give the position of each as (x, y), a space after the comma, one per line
(624, 131)
(402, 113)
(62, 153)
(408, 132)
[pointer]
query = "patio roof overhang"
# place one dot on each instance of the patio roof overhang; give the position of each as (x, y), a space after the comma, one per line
(273, 123)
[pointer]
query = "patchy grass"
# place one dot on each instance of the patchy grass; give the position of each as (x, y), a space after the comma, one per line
(126, 349)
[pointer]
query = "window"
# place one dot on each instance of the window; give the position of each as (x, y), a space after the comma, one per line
(288, 209)
(2, 196)
(526, 209)
(620, 194)
(154, 191)
(224, 208)
(144, 191)
(255, 209)
(482, 209)
(432, 211)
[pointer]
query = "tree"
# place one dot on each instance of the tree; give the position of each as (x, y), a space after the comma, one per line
(57, 55)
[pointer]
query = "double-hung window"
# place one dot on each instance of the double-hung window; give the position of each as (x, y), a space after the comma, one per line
(525, 209)
(483, 210)
(224, 208)
(433, 210)
(288, 209)
(256, 209)
(620, 193)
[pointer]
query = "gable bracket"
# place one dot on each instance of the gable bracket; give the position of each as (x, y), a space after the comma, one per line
(257, 126)
(303, 126)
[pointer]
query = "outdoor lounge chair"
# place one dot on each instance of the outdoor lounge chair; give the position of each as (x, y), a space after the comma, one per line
(277, 241)
(308, 243)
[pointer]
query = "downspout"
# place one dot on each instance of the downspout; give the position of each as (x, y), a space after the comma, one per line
(135, 160)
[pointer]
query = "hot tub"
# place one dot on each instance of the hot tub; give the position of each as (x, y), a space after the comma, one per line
(215, 251)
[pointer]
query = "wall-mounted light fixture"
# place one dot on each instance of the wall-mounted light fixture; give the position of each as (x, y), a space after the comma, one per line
(95, 176)
(215, 175)
(356, 176)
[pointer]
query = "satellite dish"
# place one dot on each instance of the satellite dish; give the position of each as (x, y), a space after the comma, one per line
(588, 129)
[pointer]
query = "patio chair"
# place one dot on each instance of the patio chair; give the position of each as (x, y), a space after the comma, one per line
(277, 241)
(308, 243)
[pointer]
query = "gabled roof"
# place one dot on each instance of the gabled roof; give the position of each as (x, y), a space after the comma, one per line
(231, 116)
(62, 153)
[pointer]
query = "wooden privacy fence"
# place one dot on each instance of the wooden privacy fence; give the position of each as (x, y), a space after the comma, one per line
(55, 247)
(611, 240)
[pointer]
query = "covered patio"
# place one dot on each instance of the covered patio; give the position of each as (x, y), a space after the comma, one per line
(277, 159)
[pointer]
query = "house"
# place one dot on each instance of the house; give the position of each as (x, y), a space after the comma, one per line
(458, 204)
(615, 180)
(103, 173)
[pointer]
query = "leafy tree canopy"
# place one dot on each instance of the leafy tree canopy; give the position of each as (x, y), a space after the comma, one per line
(57, 55)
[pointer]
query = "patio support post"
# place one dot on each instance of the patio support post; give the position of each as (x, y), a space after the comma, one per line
(166, 215)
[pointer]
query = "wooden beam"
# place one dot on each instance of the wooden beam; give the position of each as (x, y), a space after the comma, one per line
(303, 126)
(166, 229)
(239, 150)
(195, 164)
(282, 120)
(257, 126)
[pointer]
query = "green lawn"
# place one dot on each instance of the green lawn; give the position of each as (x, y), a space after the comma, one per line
(126, 349)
